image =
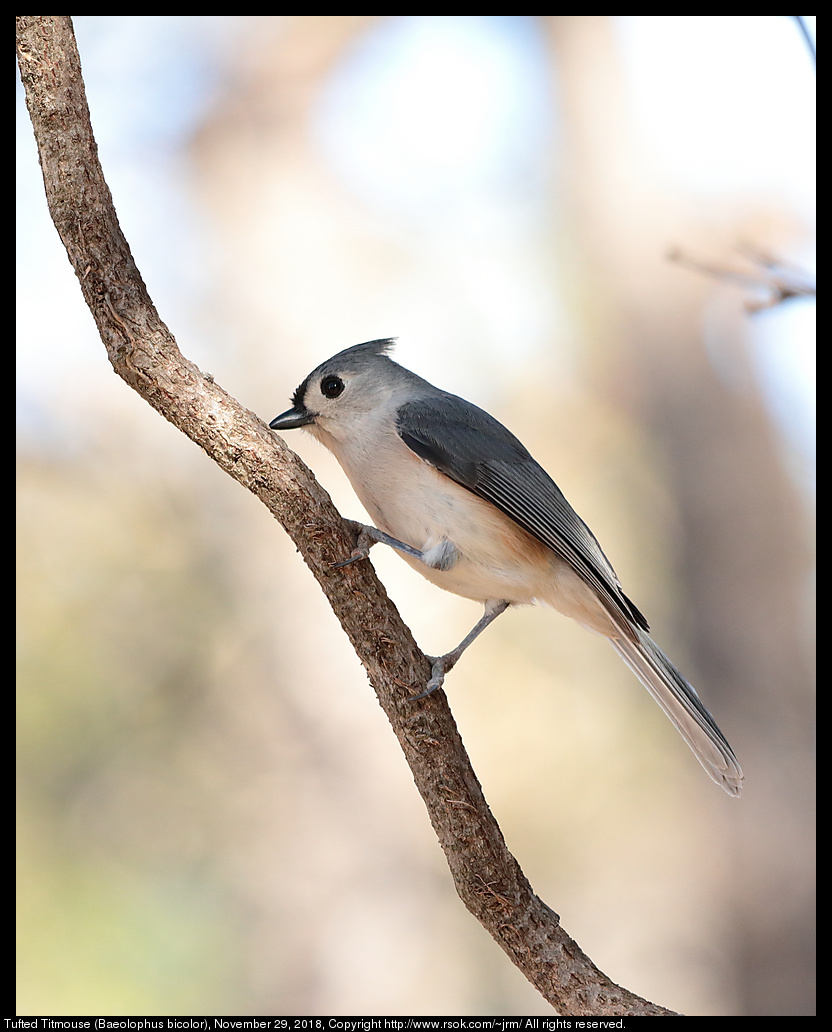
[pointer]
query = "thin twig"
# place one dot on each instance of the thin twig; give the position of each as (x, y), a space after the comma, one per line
(804, 28)
(774, 279)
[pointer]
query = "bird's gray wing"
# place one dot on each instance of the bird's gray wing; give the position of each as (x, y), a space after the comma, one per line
(474, 449)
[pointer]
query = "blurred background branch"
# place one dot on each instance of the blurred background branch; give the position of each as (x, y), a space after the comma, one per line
(768, 277)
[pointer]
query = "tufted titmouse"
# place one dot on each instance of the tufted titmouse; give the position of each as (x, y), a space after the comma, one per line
(468, 507)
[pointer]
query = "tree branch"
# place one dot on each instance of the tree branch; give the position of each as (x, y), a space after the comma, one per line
(143, 352)
(774, 281)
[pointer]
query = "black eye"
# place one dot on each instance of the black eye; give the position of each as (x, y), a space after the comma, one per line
(332, 386)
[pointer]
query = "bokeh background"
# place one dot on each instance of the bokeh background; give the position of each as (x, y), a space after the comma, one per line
(213, 814)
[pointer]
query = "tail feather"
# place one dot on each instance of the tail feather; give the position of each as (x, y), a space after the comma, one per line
(683, 706)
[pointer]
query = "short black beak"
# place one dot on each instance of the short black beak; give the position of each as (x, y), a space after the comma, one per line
(292, 418)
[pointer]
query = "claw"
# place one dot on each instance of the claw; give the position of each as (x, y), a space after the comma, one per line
(362, 548)
(368, 536)
(433, 684)
(442, 664)
(356, 555)
(437, 679)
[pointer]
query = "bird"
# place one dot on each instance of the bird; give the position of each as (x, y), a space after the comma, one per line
(463, 502)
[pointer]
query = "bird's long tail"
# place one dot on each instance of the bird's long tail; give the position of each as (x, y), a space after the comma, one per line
(684, 708)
